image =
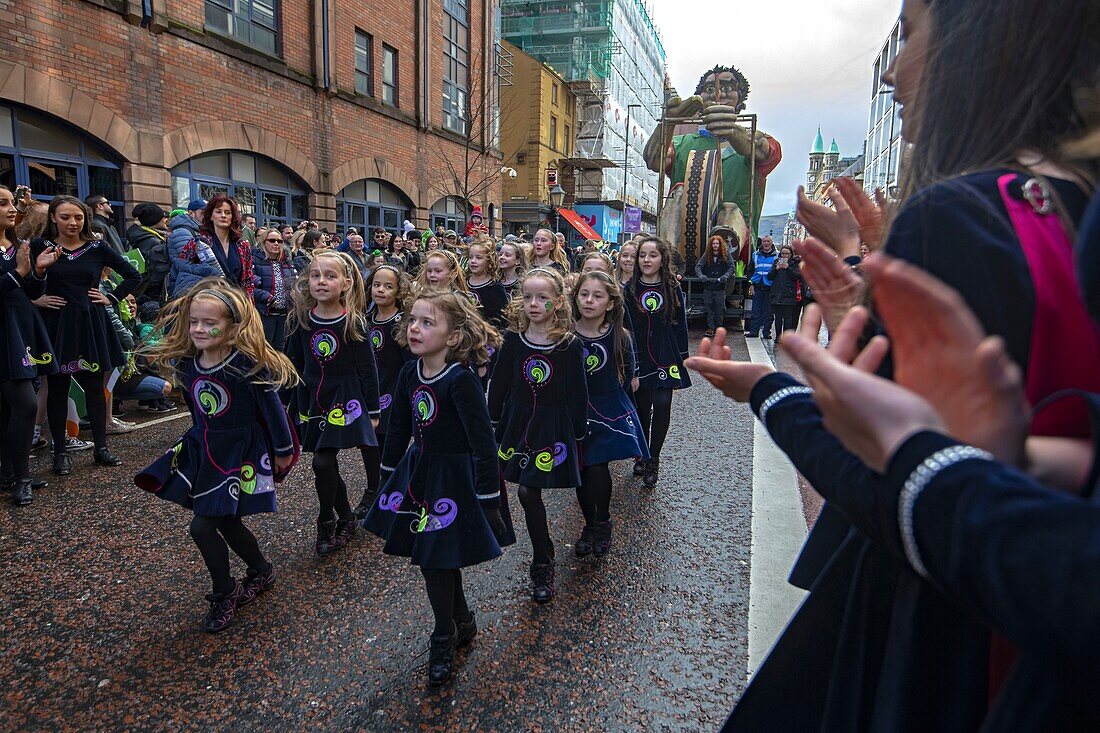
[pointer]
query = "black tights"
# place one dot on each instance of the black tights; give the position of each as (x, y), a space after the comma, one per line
(654, 409)
(447, 598)
(594, 494)
(57, 406)
(372, 462)
(215, 536)
(534, 512)
(18, 406)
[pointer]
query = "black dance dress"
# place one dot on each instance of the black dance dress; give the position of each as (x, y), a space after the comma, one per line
(430, 507)
(339, 391)
(538, 400)
(80, 331)
(222, 466)
(389, 356)
(614, 431)
(492, 299)
(660, 347)
(27, 349)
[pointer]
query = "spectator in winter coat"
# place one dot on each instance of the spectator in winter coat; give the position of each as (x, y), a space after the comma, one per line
(103, 221)
(760, 288)
(147, 235)
(274, 275)
(786, 275)
(221, 244)
(714, 269)
(181, 230)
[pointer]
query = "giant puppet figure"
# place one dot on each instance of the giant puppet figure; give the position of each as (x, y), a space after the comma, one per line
(705, 195)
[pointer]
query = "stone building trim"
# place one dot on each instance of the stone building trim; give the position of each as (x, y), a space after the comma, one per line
(375, 167)
(209, 136)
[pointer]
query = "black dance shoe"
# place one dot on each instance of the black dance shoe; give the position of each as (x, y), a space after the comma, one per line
(326, 537)
(105, 457)
(21, 493)
(364, 505)
(543, 578)
(222, 609)
(441, 659)
(653, 467)
(255, 583)
(345, 530)
(601, 541)
(62, 464)
(583, 546)
(465, 630)
(639, 466)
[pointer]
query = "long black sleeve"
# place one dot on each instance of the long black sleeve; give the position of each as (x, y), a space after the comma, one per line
(399, 429)
(682, 324)
(573, 361)
(500, 386)
(474, 414)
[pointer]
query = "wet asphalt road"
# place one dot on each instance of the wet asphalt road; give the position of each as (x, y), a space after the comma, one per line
(101, 596)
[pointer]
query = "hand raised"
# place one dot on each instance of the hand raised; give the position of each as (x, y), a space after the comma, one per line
(869, 214)
(836, 288)
(836, 228)
(734, 378)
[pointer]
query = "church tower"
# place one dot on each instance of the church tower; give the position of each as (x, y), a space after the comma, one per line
(817, 160)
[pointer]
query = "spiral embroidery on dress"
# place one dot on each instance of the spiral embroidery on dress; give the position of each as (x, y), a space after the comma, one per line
(377, 338)
(674, 371)
(442, 516)
(211, 396)
(344, 415)
(324, 345)
(385, 401)
(248, 478)
(652, 300)
(31, 360)
(424, 405)
(537, 370)
(595, 356)
(546, 460)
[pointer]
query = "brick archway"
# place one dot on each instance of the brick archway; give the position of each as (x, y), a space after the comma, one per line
(40, 91)
(207, 137)
(373, 167)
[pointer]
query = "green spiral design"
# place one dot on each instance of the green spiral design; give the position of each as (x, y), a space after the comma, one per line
(336, 416)
(506, 455)
(209, 402)
(544, 461)
(674, 371)
(651, 303)
(592, 362)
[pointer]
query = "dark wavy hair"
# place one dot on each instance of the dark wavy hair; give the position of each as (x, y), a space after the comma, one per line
(669, 287)
(86, 233)
(1021, 90)
(207, 226)
(738, 79)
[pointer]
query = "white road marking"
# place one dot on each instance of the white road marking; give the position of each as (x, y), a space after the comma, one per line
(778, 531)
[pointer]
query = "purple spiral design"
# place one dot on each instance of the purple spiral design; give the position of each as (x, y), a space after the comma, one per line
(560, 452)
(390, 502)
(443, 515)
(324, 345)
(385, 401)
(537, 370)
(352, 411)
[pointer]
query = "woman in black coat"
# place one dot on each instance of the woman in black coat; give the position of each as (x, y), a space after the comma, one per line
(785, 275)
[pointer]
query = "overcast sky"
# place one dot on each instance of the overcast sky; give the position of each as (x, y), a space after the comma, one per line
(808, 62)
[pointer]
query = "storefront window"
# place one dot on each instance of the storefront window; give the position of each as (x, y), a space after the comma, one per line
(371, 203)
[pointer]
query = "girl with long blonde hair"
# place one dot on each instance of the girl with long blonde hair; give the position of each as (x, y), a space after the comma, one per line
(441, 270)
(240, 443)
(538, 398)
(338, 402)
(512, 259)
(547, 252)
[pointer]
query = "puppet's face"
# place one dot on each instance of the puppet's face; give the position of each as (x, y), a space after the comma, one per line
(720, 90)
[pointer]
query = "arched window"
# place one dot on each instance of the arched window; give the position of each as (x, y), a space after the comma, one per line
(450, 213)
(54, 158)
(261, 186)
(370, 203)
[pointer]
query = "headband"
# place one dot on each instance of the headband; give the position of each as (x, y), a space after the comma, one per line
(225, 299)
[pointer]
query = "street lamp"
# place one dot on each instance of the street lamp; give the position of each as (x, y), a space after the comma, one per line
(557, 198)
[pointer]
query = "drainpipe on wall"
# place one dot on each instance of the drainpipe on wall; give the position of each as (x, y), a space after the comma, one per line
(425, 65)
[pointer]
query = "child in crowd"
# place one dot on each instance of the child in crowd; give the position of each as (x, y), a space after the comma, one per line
(538, 400)
(614, 431)
(546, 252)
(656, 314)
(513, 263)
(337, 403)
(441, 270)
(388, 288)
(484, 282)
(624, 263)
(240, 444)
(441, 503)
(597, 261)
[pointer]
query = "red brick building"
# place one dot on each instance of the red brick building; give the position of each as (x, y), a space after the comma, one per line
(338, 112)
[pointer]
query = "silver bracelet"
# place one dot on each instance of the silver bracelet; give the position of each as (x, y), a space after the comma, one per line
(916, 483)
(778, 397)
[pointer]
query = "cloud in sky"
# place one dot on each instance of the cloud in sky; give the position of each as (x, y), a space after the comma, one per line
(809, 63)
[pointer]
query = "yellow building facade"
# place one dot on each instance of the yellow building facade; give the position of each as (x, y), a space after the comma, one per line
(537, 130)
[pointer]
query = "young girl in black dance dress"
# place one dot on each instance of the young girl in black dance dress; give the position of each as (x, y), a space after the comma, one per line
(337, 403)
(388, 288)
(513, 264)
(28, 353)
(241, 444)
(656, 315)
(84, 341)
(440, 504)
(441, 270)
(538, 399)
(614, 431)
(484, 283)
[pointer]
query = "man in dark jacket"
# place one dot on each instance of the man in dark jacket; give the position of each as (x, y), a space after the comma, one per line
(181, 230)
(103, 221)
(147, 235)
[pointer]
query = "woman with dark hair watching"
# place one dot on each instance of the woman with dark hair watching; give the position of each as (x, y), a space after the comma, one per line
(75, 311)
(220, 242)
(986, 182)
